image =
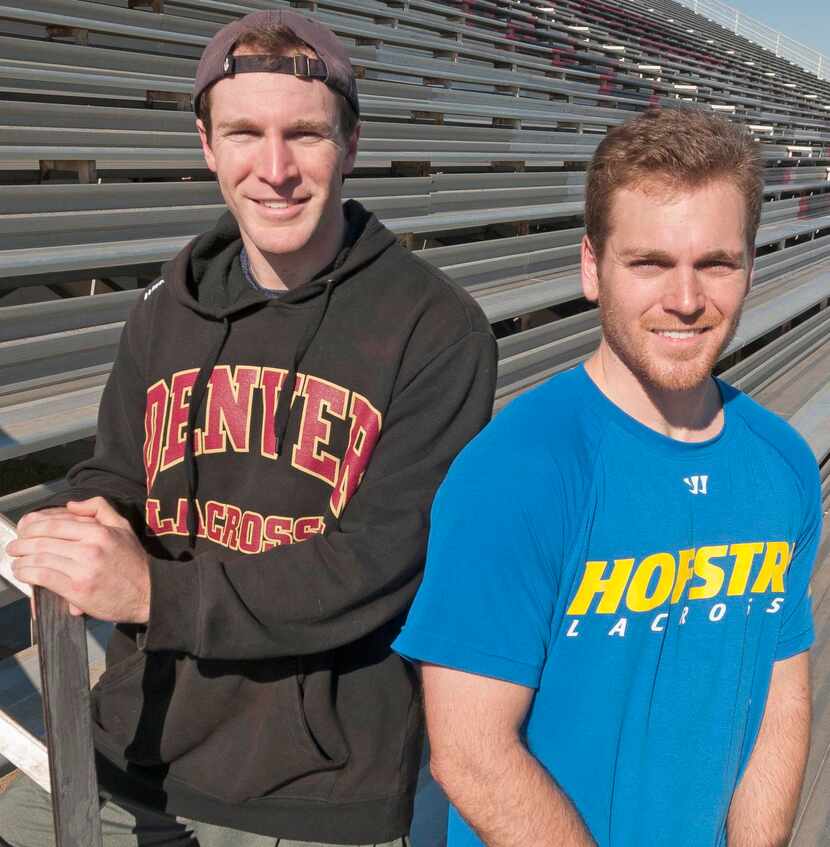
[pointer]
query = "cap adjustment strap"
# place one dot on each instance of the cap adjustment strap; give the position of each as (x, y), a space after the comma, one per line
(301, 65)
(298, 65)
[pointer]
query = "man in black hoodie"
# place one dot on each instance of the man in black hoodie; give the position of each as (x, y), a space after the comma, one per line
(293, 376)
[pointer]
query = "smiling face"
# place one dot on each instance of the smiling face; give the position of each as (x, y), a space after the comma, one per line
(277, 151)
(670, 283)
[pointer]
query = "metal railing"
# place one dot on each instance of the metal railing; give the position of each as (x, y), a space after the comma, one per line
(754, 30)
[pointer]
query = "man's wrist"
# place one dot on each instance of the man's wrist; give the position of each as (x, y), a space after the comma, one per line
(143, 616)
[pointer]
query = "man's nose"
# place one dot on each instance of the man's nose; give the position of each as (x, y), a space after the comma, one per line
(684, 292)
(276, 164)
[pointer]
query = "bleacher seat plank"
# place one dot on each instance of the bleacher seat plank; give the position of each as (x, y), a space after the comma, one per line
(812, 419)
(812, 825)
(22, 730)
(783, 355)
(38, 424)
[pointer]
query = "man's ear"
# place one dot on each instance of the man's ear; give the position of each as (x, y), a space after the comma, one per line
(210, 159)
(351, 150)
(590, 270)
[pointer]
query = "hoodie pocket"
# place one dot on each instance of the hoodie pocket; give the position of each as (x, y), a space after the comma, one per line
(121, 671)
(231, 730)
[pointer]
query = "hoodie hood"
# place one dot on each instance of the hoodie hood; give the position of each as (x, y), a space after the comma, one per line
(207, 277)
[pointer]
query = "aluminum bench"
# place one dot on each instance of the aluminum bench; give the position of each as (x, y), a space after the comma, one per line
(37, 384)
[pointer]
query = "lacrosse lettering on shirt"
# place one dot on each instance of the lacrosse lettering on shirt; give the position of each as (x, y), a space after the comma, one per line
(625, 587)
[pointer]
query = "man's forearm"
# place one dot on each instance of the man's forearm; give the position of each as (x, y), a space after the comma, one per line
(765, 803)
(511, 801)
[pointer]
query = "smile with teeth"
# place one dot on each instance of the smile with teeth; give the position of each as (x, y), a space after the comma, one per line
(680, 333)
(278, 204)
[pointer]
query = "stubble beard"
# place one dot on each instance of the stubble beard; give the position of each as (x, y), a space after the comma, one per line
(685, 371)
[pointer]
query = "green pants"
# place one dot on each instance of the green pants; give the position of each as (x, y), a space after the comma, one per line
(26, 821)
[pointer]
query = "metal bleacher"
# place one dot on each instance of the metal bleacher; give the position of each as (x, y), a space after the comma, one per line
(479, 119)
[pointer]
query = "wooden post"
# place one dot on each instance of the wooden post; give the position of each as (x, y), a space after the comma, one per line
(407, 240)
(86, 170)
(181, 101)
(67, 715)
(64, 674)
(403, 169)
(156, 6)
(67, 33)
(429, 117)
(507, 123)
(509, 166)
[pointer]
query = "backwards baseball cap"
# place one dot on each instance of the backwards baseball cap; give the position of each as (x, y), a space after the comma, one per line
(331, 67)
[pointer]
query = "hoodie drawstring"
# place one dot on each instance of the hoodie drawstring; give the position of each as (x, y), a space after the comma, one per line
(281, 416)
(287, 393)
(197, 396)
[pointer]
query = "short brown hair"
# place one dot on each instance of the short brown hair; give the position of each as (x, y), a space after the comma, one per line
(279, 41)
(682, 147)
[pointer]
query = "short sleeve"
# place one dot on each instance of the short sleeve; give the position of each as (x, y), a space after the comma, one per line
(490, 584)
(796, 633)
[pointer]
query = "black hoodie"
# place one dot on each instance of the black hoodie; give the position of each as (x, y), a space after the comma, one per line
(263, 694)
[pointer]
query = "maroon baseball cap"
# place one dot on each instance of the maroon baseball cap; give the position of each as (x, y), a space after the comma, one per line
(331, 67)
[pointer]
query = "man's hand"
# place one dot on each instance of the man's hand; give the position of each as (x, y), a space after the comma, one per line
(89, 555)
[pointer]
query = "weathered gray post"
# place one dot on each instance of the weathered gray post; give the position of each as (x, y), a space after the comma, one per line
(64, 674)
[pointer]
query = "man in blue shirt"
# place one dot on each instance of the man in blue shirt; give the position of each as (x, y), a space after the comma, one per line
(615, 616)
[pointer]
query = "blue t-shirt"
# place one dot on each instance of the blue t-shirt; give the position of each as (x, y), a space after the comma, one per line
(643, 586)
